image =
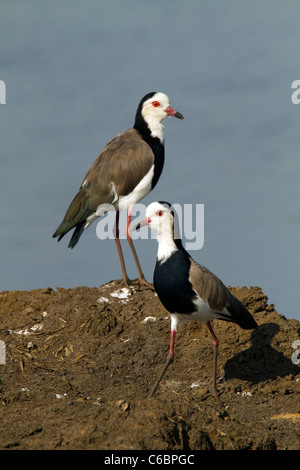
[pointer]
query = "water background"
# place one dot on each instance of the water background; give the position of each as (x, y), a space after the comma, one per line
(74, 74)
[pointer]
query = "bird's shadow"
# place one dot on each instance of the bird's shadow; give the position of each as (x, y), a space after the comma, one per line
(260, 362)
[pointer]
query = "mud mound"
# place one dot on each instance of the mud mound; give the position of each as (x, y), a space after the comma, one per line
(80, 362)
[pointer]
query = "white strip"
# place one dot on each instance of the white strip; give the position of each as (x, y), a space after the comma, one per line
(139, 192)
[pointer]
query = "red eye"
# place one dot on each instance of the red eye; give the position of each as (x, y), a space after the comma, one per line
(155, 104)
(160, 213)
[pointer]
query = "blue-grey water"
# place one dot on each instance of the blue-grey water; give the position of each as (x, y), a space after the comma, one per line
(74, 74)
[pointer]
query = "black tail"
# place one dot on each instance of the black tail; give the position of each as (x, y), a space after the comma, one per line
(79, 228)
(241, 315)
(77, 234)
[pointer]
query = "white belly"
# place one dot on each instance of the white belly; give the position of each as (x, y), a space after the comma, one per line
(139, 192)
(124, 202)
(202, 314)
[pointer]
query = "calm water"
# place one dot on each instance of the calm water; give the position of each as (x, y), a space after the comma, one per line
(75, 72)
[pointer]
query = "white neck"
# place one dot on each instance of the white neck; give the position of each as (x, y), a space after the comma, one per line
(156, 128)
(153, 119)
(166, 244)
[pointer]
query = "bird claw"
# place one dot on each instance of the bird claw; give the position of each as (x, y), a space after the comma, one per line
(143, 282)
(213, 394)
(137, 283)
(140, 282)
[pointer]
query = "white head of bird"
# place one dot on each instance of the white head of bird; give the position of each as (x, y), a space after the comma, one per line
(160, 218)
(154, 110)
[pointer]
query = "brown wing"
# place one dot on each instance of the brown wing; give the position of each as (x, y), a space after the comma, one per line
(209, 287)
(124, 161)
(215, 293)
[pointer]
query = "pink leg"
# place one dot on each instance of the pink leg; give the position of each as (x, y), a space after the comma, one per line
(124, 273)
(215, 346)
(141, 279)
(168, 362)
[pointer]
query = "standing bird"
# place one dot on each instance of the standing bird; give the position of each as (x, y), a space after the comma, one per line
(126, 170)
(186, 289)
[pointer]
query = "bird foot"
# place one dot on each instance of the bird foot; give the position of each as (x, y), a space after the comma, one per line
(137, 283)
(213, 394)
(143, 282)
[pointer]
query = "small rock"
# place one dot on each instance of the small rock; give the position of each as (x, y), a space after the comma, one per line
(123, 404)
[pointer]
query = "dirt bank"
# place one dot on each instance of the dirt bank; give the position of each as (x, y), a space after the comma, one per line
(79, 364)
